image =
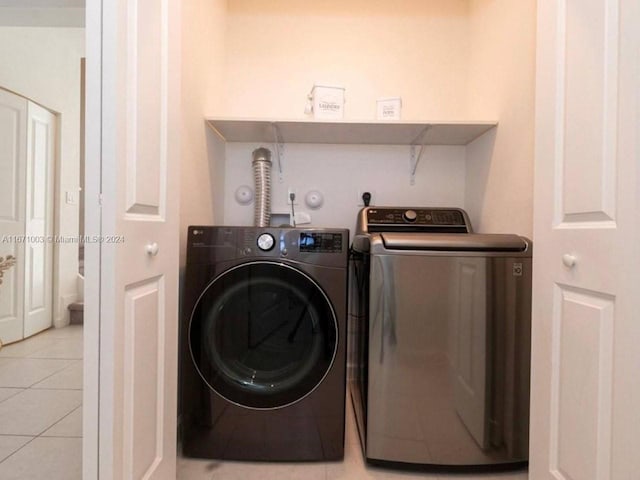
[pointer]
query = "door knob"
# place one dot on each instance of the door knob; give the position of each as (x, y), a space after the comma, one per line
(569, 260)
(152, 249)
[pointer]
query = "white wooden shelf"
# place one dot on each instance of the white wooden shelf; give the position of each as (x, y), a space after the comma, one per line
(349, 132)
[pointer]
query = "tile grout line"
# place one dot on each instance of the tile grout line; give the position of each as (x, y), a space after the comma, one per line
(50, 425)
(58, 421)
(47, 377)
(12, 454)
(53, 341)
(23, 446)
(28, 356)
(53, 388)
(53, 358)
(56, 373)
(21, 389)
(42, 379)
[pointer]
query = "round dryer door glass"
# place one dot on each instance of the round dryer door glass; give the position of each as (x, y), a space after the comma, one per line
(263, 335)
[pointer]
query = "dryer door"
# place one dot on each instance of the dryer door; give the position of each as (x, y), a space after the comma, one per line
(263, 335)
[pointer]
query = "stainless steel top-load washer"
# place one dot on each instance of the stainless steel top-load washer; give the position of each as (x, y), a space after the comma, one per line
(440, 341)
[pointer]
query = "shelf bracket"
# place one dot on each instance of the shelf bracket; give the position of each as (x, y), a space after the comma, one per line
(413, 164)
(279, 146)
(415, 157)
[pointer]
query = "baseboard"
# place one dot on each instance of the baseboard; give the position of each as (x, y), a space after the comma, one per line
(62, 319)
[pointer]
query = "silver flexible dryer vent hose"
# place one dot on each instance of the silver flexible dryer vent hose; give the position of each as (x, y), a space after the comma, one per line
(262, 178)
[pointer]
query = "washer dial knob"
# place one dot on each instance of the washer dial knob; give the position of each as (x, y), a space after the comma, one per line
(266, 242)
(410, 216)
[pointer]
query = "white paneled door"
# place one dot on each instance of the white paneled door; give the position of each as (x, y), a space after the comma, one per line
(13, 168)
(38, 272)
(27, 163)
(139, 263)
(585, 411)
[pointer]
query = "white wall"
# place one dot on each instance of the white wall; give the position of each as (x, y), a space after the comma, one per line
(415, 49)
(203, 50)
(276, 51)
(43, 64)
(499, 184)
(23, 16)
(447, 59)
(339, 172)
(451, 60)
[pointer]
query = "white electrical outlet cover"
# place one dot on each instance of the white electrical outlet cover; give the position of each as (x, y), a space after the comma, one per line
(303, 218)
(314, 199)
(291, 190)
(244, 195)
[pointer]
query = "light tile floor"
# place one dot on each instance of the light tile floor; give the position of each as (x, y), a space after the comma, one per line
(41, 407)
(41, 425)
(352, 468)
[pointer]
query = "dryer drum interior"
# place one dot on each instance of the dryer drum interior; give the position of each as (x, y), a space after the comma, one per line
(263, 335)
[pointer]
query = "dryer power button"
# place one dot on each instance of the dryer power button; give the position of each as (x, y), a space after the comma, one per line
(266, 242)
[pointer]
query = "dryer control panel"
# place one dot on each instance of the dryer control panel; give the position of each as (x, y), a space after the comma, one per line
(319, 246)
(321, 242)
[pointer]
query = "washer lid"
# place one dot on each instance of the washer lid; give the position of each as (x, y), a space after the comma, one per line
(453, 242)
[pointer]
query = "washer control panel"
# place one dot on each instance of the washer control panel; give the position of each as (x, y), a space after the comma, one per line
(410, 216)
(416, 216)
(412, 220)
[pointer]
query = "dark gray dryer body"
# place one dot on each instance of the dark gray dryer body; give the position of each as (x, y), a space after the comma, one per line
(441, 322)
(263, 343)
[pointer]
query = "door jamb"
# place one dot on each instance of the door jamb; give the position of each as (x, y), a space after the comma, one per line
(91, 441)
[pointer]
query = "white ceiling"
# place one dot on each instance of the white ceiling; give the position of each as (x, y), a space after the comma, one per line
(42, 3)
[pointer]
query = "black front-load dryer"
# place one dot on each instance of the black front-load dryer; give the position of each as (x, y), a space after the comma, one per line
(263, 354)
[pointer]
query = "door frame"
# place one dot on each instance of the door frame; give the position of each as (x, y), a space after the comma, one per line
(93, 340)
(55, 198)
